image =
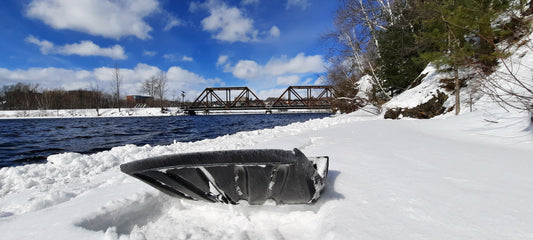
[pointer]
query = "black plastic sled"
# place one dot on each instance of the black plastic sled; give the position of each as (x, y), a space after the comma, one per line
(286, 177)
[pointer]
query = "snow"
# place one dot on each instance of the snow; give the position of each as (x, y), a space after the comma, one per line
(131, 112)
(452, 177)
(84, 113)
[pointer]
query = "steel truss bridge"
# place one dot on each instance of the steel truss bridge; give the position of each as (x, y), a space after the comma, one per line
(242, 98)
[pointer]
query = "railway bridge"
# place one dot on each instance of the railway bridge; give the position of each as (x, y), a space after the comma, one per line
(242, 98)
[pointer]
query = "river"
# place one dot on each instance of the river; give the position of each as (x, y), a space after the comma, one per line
(24, 141)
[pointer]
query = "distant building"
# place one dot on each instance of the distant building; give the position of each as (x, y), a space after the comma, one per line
(138, 99)
(271, 100)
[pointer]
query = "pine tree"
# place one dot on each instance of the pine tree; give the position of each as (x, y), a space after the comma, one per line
(400, 62)
(460, 34)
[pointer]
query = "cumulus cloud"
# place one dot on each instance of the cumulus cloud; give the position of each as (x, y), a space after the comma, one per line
(83, 48)
(300, 64)
(52, 78)
(106, 18)
(274, 31)
(48, 77)
(288, 80)
(228, 23)
(303, 4)
(182, 79)
(247, 69)
(88, 48)
(272, 92)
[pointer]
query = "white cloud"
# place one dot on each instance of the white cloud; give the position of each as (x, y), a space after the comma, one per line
(88, 48)
(52, 78)
(170, 57)
(228, 23)
(187, 59)
(83, 48)
(272, 92)
(174, 58)
(300, 64)
(247, 69)
(194, 6)
(288, 80)
(149, 53)
(172, 22)
(249, 2)
(222, 59)
(274, 32)
(321, 81)
(106, 18)
(48, 77)
(45, 46)
(181, 79)
(303, 4)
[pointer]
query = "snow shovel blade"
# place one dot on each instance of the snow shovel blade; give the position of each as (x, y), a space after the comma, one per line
(286, 177)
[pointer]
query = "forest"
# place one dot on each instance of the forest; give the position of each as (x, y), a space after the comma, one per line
(393, 41)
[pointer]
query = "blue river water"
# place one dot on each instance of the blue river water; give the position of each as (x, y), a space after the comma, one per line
(24, 141)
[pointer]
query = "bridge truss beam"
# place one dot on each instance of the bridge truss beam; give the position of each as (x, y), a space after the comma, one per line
(209, 99)
(314, 97)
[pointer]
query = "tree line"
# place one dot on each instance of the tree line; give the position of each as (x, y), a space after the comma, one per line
(22, 96)
(392, 42)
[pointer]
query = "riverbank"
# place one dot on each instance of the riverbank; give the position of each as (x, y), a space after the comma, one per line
(83, 113)
(132, 112)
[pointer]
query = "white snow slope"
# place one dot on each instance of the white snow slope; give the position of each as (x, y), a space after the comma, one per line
(454, 177)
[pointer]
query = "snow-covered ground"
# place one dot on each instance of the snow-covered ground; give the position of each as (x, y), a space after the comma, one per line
(464, 177)
(131, 112)
(73, 113)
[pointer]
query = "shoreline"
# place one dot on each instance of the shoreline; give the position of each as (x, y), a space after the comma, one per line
(130, 112)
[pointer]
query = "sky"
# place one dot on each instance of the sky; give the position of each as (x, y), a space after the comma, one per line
(266, 45)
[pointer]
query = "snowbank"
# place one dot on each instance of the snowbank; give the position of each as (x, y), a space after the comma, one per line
(72, 113)
(132, 112)
(456, 178)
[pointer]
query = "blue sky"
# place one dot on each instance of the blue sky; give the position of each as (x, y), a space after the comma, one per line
(266, 45)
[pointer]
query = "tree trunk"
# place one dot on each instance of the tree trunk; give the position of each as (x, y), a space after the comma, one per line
(457, 91)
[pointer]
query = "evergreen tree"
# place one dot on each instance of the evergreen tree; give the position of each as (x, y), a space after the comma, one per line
(400, 62)
(459, 34)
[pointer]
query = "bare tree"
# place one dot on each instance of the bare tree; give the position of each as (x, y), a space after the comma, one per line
(161, 87)
(149, 86)
(182, 98)
(96, 96)
(117, 82)
(513, 86)
(357, 23)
